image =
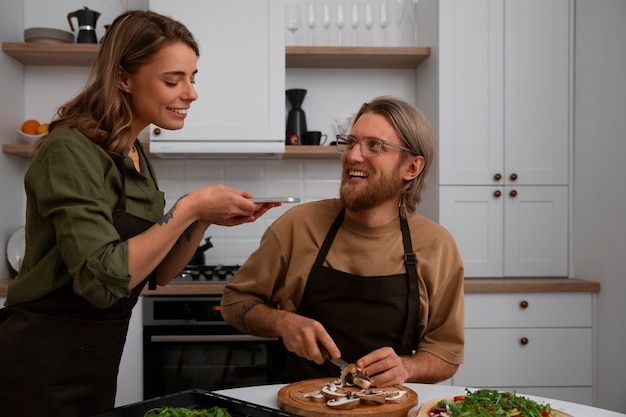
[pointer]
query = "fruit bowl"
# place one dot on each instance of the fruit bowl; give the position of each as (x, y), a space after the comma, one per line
(26, 138)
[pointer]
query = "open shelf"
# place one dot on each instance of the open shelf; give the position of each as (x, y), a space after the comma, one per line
(75, 54)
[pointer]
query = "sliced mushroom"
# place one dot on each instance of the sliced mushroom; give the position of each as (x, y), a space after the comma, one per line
(330, 391)
(344, 403)
(395, 396)
(371, 397)
(352, 375)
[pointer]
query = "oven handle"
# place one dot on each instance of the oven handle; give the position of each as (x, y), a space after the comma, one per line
(208, 338)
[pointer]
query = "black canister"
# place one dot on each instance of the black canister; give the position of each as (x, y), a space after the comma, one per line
(296, 119)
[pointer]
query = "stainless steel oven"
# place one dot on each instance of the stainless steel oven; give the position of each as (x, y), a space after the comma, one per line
(187, 345)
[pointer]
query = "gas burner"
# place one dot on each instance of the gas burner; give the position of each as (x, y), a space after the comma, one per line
(206, 274)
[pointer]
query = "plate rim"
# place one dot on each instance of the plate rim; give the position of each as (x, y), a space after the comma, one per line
(18, 237)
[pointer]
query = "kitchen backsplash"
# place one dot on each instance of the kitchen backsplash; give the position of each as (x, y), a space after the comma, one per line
(307, 179)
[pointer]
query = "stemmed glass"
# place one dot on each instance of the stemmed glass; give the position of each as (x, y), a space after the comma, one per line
(293, 20)
(354, 22)
(369, 20)
(340, 21)
(311, 20)
(326, 20)
(384, 19)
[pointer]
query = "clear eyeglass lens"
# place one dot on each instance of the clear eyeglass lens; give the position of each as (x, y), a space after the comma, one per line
(368, 147)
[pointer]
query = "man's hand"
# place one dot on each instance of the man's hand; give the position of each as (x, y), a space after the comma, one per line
(384, 367)
(303, 336)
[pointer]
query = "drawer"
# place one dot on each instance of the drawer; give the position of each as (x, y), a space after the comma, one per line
(551, 357)
(528, 310)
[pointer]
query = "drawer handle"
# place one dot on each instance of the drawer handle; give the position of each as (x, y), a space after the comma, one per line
(523, 341)
(523, 304)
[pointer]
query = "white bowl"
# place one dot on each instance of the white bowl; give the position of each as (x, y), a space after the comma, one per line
(26, 138)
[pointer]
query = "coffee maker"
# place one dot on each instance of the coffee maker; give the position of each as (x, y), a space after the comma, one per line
(86, 25)
(296, 119)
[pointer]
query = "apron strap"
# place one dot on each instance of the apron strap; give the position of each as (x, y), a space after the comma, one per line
(330, 237)
(413, 299)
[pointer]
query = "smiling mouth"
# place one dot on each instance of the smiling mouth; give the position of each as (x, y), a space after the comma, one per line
(355, 174)
(179, 111)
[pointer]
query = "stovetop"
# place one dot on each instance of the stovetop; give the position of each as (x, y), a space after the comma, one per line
(206, 274)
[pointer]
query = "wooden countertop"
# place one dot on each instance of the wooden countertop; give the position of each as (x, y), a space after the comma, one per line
(472, 285)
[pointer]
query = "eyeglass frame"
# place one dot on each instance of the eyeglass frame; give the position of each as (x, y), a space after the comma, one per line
(343, 140)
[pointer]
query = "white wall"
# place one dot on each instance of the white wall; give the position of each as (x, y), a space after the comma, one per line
(599, 225)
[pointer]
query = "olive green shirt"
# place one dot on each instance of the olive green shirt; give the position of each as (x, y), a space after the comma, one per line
(72, 189)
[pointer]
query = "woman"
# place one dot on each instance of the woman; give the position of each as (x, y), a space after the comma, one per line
(95, 229)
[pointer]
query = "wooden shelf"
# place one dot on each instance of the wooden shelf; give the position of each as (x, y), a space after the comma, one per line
(56, 54)
(354, 57)
(291, 152)
(75, 54)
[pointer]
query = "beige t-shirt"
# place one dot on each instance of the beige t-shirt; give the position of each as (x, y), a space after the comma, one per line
(276, 273)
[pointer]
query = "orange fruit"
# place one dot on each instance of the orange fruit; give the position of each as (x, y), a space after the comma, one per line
(43, 128)
(30, 126)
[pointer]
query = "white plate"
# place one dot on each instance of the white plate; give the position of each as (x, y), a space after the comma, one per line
(15, 248)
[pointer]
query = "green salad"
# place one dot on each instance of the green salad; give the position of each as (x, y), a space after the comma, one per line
(166, 411)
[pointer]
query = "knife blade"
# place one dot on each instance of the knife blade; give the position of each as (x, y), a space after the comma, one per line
(340, 363)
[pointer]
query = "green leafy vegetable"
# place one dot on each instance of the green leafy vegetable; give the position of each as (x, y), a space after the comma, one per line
(165, 411)
(493, 403)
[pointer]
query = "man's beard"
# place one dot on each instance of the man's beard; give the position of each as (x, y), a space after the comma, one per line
(378, 190)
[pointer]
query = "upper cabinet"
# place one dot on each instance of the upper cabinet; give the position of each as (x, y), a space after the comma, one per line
(504, 134)
(504, 92)
(240, 80)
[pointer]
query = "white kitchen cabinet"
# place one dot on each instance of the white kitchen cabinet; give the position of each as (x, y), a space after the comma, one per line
(241, 70)
(504, 115)
(535, 343)
(510, 231)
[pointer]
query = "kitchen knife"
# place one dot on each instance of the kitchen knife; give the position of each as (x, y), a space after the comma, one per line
(337, 362)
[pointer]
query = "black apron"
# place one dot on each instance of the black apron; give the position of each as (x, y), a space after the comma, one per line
(74, 374)
(360, 313)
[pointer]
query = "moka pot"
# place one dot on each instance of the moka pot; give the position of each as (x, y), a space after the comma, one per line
(86, 25)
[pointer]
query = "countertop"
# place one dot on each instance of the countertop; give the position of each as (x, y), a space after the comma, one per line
(267, 395)
(472, 285)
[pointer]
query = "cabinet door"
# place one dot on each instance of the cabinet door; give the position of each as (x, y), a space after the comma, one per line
(526, 357)
(535, 226)
(471, 63)
(536, 93)
(474, 216)
(241, 71)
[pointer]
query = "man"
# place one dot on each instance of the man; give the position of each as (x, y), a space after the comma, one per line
(364, 277)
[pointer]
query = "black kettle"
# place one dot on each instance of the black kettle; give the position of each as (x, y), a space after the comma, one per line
(86, 25)
(198, 256)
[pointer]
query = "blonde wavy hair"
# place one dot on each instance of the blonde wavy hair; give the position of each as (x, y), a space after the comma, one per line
(101, 111)
(415, 131)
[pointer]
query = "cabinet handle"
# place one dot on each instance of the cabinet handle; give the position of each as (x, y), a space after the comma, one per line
(523, 341)
(513, 193)
(497, 193)
(156, 131)
(513, 176)
(497, 177)
(523, 304)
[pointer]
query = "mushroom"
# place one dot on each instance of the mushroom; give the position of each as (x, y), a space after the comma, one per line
(352, 375)
(368, 397)
(344, 403)
(315, 396)
(395, 396)
(331, 392)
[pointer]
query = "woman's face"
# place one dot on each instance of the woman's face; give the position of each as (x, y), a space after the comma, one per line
(162, 90)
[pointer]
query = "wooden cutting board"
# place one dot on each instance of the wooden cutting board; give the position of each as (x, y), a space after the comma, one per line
(290, 399)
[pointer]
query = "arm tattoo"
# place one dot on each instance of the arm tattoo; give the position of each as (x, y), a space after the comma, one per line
(170, 214)
(189, 230)
(242, 315)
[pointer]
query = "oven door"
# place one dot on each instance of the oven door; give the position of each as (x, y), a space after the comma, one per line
(210, 357)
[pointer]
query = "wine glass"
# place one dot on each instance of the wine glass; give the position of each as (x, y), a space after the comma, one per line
(354, 22)
(341, 21)
(311, 20)
(369, 20)
(384, 20)
(293, 20)
(326, 20)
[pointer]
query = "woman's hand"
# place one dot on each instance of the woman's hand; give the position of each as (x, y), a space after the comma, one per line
(226, 206)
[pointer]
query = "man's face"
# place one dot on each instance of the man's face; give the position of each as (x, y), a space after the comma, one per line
(370, 182)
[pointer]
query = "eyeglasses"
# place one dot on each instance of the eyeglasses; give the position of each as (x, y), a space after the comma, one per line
(370, 147)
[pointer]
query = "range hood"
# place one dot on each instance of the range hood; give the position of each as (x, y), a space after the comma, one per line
(218, 149)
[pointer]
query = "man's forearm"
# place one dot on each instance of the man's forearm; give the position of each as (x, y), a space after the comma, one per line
(427, 368)
(253, 317)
